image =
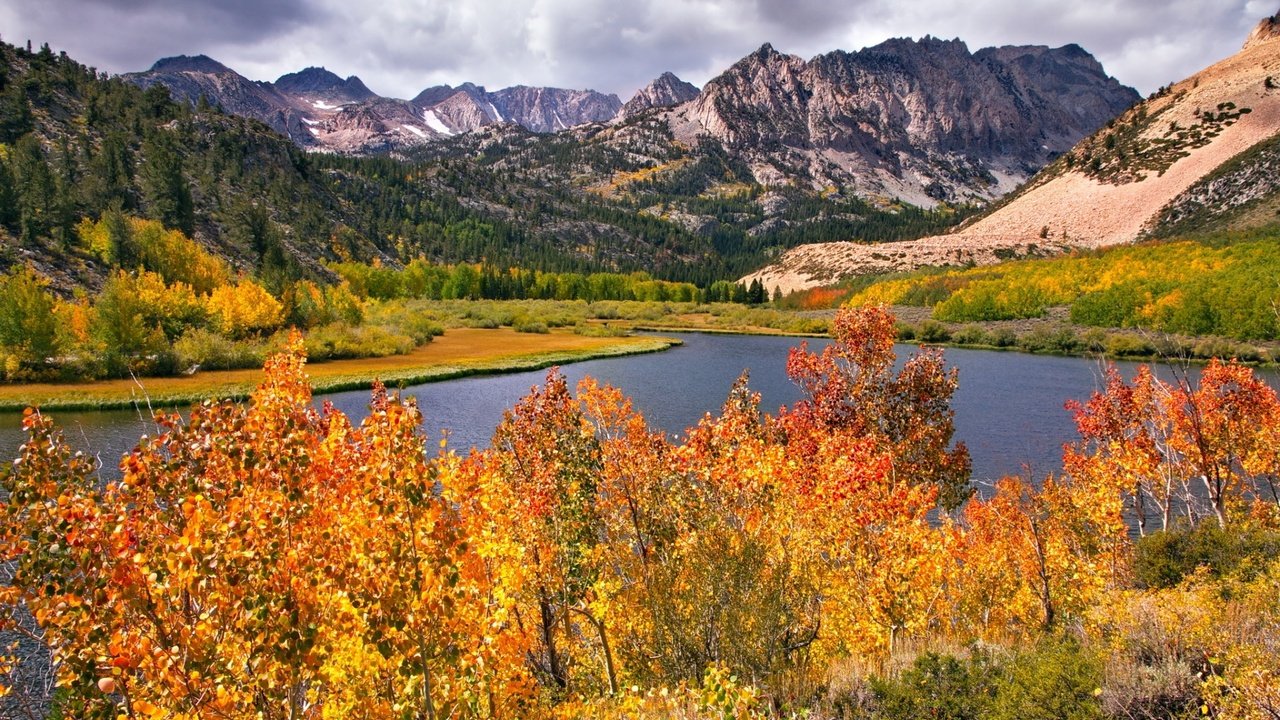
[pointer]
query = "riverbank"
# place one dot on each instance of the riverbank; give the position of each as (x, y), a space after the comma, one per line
(1053, 334)
(459, 352)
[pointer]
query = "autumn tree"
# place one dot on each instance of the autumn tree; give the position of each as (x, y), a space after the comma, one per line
(733, 586)
(28, 327)
(546, 459)
(851, 385)
(1040, 554)
(244, 308)
(421, 623)
(1181, 449)
(265, 560)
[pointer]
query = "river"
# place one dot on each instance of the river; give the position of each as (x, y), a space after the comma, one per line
(1008, 408)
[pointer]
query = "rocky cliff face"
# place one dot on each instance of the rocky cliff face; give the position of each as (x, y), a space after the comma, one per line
(315, 82)
(1268, 29)
(923, 120)
(188, 78)
(665, 91)
(554, 109)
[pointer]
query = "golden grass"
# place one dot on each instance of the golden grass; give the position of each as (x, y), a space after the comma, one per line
(459, 352)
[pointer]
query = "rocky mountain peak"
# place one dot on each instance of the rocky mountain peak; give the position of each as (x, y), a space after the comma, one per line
(1268, 29)
(189, 63)
(544, 109)
(765, 56)
(434, 94)
(319, 81)
(666, 90)
(925, 120)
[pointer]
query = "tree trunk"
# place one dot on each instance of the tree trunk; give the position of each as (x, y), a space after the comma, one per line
(549, 639)
(612, 676)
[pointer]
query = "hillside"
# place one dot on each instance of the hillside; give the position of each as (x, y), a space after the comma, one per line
(75, 146)
(1189, 155)
(617, 197)
(636, 193)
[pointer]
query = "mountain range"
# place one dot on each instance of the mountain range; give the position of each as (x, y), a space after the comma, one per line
(317, 109)
(920, 121)
(1202, 152)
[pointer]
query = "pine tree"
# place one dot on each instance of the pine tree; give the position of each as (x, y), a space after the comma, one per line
(36, 189)
(165, 189)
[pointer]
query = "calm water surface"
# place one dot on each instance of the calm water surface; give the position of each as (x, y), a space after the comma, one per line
(1009, 406)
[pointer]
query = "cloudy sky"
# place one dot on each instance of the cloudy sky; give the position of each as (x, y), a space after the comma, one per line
(398, 47)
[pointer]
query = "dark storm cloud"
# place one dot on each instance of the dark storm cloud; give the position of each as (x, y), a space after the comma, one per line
(124, 35)
(1144, 43)
(401, 46)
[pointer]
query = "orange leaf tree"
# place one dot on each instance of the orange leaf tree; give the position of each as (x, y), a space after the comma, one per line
(262, 560)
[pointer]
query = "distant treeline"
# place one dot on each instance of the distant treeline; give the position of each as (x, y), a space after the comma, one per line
(423, 279)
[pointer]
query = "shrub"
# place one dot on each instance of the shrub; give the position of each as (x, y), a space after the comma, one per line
(485, 323)
(1060, 340)
(1123, 345)
(810, 326)
(1094, 341)
(1057, 680)
(604, 310)
(1225, 350)
(1160, 688)
(905, 331)
(489, 315)
(971, 335)
(531, 326)
(1163, 559)
(1004, 338)
(337, 341)
(212, 351)
(419, 326)
(938, 686)
(599, 330)
(934, 332)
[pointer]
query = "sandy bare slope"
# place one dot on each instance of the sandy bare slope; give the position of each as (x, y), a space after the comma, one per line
(1077, 210)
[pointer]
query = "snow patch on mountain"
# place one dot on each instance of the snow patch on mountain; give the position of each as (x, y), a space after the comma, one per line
(433, 121)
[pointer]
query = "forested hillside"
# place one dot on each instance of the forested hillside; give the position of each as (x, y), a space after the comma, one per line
(77, 145)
